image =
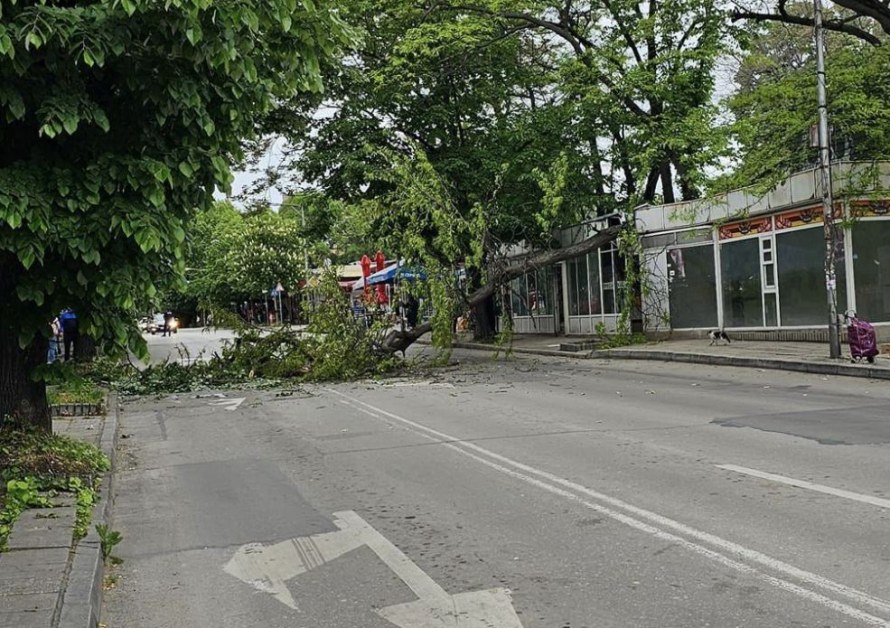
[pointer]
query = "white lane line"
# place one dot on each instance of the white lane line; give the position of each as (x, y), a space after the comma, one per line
(820, 488)
(655, 520)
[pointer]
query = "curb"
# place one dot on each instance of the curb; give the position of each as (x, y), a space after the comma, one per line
(81, 600)
(818, 368)
(555, 353)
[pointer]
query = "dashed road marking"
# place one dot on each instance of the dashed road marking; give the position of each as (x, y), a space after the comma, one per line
(819, 488)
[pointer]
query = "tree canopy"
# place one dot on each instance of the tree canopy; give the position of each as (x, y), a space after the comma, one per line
(863, 19)
(120, 118)
(774, 107)
(234, 257)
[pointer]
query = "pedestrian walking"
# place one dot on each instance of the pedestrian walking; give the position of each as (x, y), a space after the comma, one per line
(68, 319)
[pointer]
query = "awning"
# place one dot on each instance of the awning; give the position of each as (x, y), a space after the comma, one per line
(389, 274)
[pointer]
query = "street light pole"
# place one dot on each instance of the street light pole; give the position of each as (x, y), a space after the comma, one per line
(834, 339)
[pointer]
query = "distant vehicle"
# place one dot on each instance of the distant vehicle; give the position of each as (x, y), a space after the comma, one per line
(156, 324)
(144, 324)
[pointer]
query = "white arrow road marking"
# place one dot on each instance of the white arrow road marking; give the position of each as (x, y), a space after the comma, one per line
(267, 568)
(229, 404)
(821, 488)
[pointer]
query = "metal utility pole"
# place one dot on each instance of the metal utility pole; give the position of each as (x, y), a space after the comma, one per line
(834, 338)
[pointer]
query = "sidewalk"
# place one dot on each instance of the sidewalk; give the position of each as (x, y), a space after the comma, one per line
(807, 357)
(45, 580)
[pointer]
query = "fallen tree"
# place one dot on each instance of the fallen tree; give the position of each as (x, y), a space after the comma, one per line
(399, 340)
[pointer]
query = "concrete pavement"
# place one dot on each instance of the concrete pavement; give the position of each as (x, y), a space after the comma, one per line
(805, 357)
(46, 579)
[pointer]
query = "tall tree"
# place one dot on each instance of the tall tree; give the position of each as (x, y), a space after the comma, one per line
(531, 117)
(120, 118)
(234, 257)
(469, 93)
(774, 108)
(642, 75)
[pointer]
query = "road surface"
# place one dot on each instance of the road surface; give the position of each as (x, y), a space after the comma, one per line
(542, 493)
(186, 344)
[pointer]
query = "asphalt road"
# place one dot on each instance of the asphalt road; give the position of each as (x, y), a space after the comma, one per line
(540, 493)
(186, 344)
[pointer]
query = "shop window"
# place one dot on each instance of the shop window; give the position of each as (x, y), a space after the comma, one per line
(579, 287)
(544, 297)
(871, 265)
(692, 287)
(593, 276)
(740, 270)
(519, 296)
(801, 266)
(531, 294)
(574, 307)
(612, 265)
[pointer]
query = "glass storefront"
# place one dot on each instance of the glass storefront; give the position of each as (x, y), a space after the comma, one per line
(801, 257)
(742, 294)
(593, 276)
(519, 296)
(586, 295)
(612, 265)
(871, 268)
(579, 287)
(692, 287)
(532, 294)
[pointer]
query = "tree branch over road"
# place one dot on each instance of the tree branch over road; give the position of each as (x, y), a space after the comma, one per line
(398, 340)
(877, 10)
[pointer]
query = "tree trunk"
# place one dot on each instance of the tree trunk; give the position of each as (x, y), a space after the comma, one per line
(21, 398)
(486, 318)
(84, 348)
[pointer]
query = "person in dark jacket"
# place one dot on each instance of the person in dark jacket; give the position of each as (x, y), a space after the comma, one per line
(68, 319)
(412, 309)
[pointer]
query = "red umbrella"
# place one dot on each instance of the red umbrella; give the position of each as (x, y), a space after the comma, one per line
(366, 271)
(380, 259)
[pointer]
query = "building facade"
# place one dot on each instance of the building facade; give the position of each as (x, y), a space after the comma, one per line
(580, 296)
(755, 262)
(746, 261)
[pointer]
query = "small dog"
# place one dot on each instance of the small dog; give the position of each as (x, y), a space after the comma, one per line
(717, 336)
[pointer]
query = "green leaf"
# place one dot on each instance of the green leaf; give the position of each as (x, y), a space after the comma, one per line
(70, 124)
(6, 46)
(27, 257)
(33, 39)
(101, 120)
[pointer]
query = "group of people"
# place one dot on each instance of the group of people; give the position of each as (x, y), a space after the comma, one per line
(64, 338)
(409, 308)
